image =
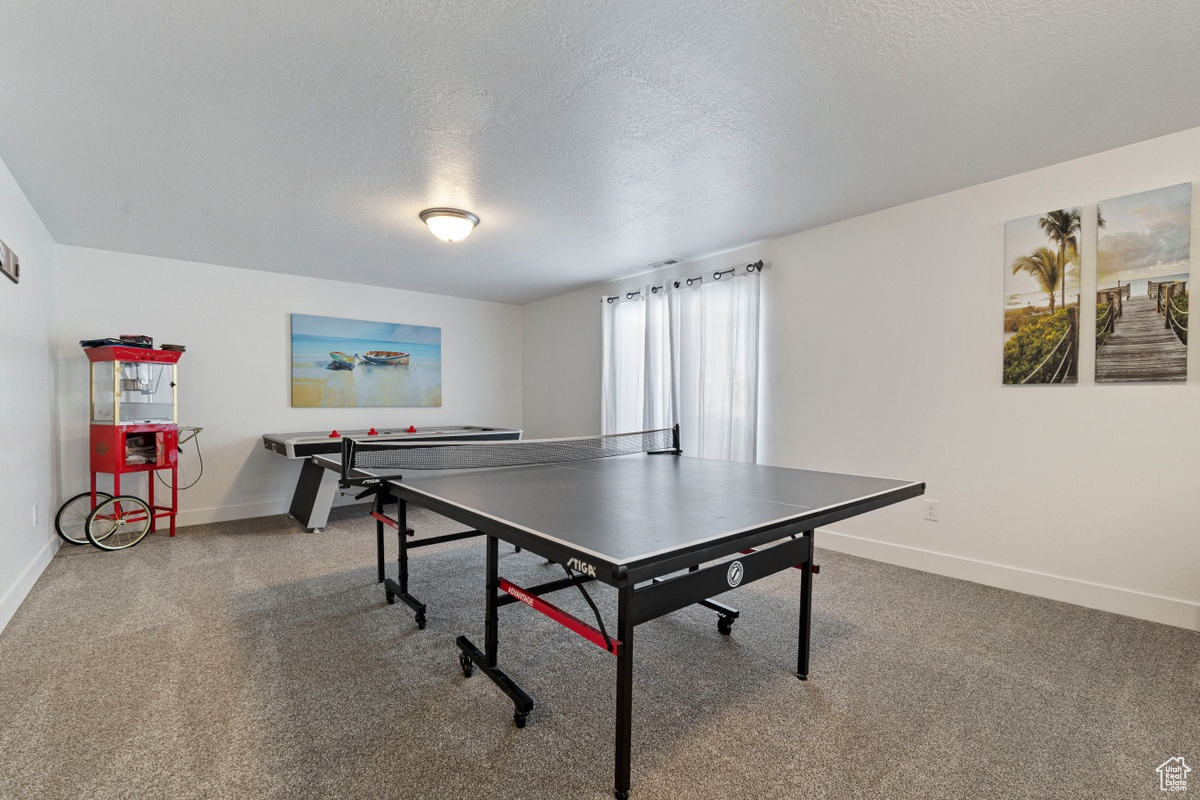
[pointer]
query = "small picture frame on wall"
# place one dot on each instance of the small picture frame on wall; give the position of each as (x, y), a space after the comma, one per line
(10, 265)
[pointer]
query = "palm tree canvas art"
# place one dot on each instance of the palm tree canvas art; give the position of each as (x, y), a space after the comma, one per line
(1041, 290)
(1143, 244)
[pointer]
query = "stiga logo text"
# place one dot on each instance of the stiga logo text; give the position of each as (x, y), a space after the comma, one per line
(582, 566)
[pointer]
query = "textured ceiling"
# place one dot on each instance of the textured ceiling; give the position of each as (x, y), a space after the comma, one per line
(592, 138)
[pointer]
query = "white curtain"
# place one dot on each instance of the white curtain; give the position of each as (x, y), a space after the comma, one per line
(622, 403)
(686, 355)
(727, 378)
(659, 373)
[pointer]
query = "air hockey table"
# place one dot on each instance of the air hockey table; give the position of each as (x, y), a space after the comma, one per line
(317, 486)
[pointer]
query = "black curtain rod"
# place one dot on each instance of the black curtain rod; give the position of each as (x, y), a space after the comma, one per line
(757, 266)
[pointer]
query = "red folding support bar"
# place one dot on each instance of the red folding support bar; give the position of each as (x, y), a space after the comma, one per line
(555, 613)
(386, 520)
(391, 523)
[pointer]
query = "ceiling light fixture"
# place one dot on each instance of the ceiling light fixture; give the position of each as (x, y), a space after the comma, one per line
(449, 224)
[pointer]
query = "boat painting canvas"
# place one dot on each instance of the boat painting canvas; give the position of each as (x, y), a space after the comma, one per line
(1041, 291)
(340, 363)
(1143, 251)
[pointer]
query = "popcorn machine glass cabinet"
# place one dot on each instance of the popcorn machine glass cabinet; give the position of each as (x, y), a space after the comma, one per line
(132, 393)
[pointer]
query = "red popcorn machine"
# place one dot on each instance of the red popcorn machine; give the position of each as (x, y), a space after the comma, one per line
(134, 429)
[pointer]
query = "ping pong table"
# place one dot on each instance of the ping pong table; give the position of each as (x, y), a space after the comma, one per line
(666, 531)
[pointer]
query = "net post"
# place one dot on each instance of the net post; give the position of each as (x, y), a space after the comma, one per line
(673, 450)
(347, 459)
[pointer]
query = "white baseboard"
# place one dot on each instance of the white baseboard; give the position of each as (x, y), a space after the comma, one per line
(203, 516)
(1167, 610)
(16, 594)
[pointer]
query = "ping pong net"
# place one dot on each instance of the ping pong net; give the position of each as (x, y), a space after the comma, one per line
(364, 454)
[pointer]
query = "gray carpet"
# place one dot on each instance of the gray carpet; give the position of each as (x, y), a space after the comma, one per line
(252, 660)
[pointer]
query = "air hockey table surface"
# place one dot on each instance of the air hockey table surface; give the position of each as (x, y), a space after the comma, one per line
(317, 486)
(312, 443)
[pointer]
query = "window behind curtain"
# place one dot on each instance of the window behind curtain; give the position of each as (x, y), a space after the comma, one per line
(686, 355)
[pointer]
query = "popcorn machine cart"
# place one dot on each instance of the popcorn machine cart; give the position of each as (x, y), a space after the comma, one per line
(134, 429)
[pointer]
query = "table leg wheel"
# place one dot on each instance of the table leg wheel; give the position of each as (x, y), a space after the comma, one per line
(468, 667)
(519, 718)
(391, 598)
(621, 795)
(421, 621)
(725, 625)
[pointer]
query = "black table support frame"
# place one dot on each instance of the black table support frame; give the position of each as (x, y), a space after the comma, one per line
(805, 635)
(649, 585)
(393, 589)
(488, 659)
(623, 756)
(637, 604)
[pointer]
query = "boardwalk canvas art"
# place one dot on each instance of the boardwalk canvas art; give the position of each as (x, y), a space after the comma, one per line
(1041, 305)
(1142, 274)
(337, 363)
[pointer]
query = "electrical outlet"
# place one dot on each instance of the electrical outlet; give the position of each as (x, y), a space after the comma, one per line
(932, 513)
(35, 515)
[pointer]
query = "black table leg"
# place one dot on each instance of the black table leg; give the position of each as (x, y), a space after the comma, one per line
(393, 589)
(401, 527)
(470, 656)
(491, 620)
(806, 578)
(378, 505)
(624, 715)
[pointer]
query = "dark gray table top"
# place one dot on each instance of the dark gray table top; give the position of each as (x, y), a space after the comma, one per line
(636, 508)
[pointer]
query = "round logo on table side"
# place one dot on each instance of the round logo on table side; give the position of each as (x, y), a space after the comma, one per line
(735, 573)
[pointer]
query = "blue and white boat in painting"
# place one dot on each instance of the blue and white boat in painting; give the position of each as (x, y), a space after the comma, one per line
(385, 358)
(341, 360)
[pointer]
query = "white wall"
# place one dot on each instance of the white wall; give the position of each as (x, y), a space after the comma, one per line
(234, 379)
(560, 369)
(28, 426)
(881, 354)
